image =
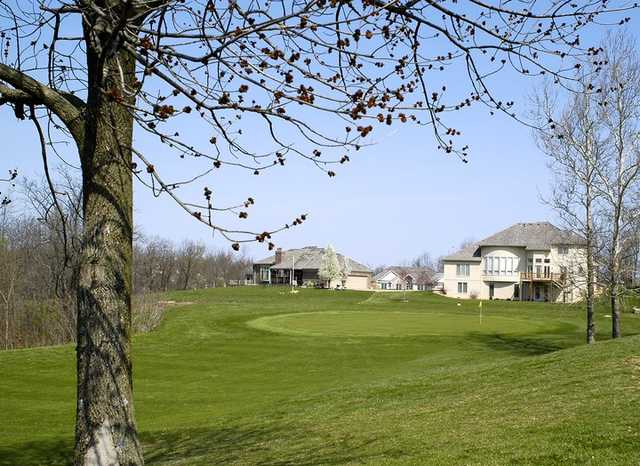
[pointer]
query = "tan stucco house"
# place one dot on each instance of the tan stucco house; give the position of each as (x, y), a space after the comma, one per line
(526, 262)
(301, 266)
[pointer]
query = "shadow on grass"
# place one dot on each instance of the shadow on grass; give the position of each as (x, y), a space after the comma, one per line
(272, 446)
(517, 344)
(49, 452)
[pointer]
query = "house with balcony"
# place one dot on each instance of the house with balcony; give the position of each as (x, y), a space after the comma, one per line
(300, 267)
(526, 262)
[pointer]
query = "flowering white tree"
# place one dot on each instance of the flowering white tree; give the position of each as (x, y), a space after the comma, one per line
(330, 267)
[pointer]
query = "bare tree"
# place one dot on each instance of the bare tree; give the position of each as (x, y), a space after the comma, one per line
(39, 256)
(467, 243)
(57, 205)
(9, 276)
(151, 64)
(160, 265)
(189, 257)
(572, 137)
(423, 260)
(619, 110)
(439, 264)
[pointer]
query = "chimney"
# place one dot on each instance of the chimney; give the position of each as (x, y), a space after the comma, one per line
(278, 255)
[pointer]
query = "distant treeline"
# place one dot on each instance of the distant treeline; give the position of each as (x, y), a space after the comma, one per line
(39, 257)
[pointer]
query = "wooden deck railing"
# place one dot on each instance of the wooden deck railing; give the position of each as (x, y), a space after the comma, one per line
(542, 276)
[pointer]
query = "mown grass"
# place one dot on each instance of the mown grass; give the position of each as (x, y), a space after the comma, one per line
(211, 389)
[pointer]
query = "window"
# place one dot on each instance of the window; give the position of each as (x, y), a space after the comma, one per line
(264, 274)
(503, 265)
(510, 265)
(562, 250)
(398, 286)
(538, 261)
(547, 261)
(462, 287)
(462, 270)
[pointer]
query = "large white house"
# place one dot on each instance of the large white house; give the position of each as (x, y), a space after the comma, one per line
(526, 262)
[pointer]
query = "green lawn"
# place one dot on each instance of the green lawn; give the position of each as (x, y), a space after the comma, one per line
(261, 376)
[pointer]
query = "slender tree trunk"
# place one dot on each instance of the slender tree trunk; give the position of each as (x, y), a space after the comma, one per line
(614, 290)
(187, 276)
(615, 266)
(105, 425)
(591, 323)
(6, 327)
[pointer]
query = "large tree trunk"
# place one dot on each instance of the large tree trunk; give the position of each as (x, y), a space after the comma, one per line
(105, 425)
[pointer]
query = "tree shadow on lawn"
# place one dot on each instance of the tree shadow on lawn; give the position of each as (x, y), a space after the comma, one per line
(49, 452)
(520, 345)
(272, 446)
(266, 446)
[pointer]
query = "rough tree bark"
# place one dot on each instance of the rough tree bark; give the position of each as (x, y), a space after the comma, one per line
(105, 424)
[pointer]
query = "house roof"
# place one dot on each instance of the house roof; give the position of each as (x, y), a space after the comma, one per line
(420, 275)
(532, 236)
(539, 235)
(309, 257)
(468, 253)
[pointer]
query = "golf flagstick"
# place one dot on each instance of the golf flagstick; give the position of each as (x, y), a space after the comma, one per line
(480, 306)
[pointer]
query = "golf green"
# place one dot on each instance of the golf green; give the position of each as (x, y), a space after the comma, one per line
(390, 324)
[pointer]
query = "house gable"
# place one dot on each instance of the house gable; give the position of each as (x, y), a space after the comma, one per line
(387, 276)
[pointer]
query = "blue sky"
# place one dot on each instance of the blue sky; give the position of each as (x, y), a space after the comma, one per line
(393, 201)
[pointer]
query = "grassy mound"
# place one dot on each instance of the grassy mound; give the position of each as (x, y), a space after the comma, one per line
(211, 389)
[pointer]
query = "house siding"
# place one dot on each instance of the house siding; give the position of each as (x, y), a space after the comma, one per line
(451, 279)
(357, 282)
(555, 258)
(479, 282)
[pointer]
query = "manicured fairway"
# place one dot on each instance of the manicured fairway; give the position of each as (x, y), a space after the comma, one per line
(260, 376)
